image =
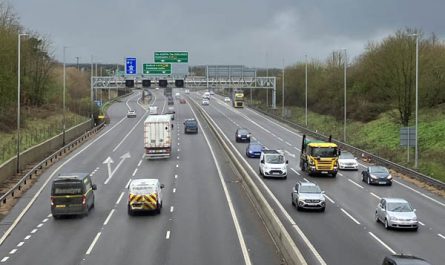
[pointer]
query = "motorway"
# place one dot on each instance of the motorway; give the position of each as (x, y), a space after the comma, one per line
(207, 217)
(347, 232)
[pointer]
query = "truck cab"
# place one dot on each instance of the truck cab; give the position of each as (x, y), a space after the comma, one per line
(319, 157)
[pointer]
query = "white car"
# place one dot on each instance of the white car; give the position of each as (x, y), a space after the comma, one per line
(131, 114)
(273, 164)
(347, 161)
(308, 195)
(177, 95)
(226, 99)
(187, 91)
(144, 195)
(205, 102)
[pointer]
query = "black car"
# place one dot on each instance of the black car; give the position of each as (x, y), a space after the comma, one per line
(404, 260)
(190, 126)
(242, 135)
(377, 175)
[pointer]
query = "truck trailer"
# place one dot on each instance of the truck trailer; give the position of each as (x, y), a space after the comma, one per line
(157, 136)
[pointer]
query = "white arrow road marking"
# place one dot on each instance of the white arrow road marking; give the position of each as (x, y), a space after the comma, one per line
(110, 174)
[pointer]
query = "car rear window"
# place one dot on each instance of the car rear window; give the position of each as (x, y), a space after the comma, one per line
(140, 190)
(67, 188)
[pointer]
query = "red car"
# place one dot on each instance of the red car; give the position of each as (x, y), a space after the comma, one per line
(182, 101)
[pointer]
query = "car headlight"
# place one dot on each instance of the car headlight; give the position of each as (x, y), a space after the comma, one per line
(311, 162)
(239, 135)
(374, 176)
(414, 218)
(394, 218)
(389, 177)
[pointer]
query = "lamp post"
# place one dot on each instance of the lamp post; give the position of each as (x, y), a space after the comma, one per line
(64, 89)
(18, 101)
(344, 122)
(282, 90)
(416, 154)
(305, 86)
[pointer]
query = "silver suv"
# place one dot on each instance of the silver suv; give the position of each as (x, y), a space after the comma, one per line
(308, 195)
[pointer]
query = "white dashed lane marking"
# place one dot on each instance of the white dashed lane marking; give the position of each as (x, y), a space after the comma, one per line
(4, 259)
(350, 216)
(378, 197)
(296, 172)
(33, 231)
(171, 209)
(120, 197)
(331, 200)
(140, 162)
(27, 237)
(128, 184)
(20, 244)
(39, 225)
(167, 236)
(442, 236)
(13, 251)
(358, 185)
(174, 190)
(381, 242)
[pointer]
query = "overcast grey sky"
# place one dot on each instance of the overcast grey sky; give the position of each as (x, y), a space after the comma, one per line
(223, 31)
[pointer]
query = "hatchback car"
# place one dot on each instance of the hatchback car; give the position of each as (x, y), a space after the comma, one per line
(226, 99)
(190, 126)
(145, 195)
(205, 102)
(131, 114)
(377, 175)
(307, 195)
(396, 213)
(242, 135)
(347, 161)
(254, 150)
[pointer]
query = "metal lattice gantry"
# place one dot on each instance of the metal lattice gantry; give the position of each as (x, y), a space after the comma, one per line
(107, 83)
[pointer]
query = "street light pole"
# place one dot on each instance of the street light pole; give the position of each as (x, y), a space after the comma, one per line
(417, 102)
(282, 89)
(344, 123)
(64, 89)
(305, 75)
(18, 101)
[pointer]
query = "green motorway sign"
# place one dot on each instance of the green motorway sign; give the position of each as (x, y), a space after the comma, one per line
(156, 68)
(171, 57)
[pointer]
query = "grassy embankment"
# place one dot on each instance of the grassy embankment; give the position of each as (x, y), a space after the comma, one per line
(381, 136)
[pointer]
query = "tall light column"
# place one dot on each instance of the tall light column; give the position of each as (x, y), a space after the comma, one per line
(282, 90)
(417, 102)
(344, 123)
(64, 89)
(18, 101)
(305, 85)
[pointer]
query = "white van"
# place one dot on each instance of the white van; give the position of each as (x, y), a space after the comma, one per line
(273, 164)
(153, 110)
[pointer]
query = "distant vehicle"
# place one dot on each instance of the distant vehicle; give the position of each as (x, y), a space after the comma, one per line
(157, 136)
(153, 110)
(226, 99)
(131, 114)
(168, 92)
(238, 98)
(72, 194)
(396, 213)
(206, 95)
(347, 160)
(182, 101)
(190, 126)
(254, 150)
(242, 135)
(308, 195)
(187, 91)
(170, 101)
(205, 102)
(177, 95)
(319, 157)
(212, 92)
(273, 164)
(402, 259)
(377, 175)
(144, 195)
(171, 111)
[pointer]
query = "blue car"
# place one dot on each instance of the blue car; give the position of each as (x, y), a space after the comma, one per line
(254, 150)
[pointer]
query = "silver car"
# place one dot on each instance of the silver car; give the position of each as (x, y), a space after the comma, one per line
(347, 161)
(396, 213)
(308, 195)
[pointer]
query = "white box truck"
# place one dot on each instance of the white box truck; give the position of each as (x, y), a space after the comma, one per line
(157, 136)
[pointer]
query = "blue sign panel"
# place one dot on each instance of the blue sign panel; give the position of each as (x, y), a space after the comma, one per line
(130, 66)
(98, 103)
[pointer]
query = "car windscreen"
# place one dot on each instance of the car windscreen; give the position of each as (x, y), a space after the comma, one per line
(324, 151)
(346, 156)
(378, 170)
(243, 132)
(140, 190)
(275, 159)
(398, 207)
(191, 123)
(67, 188)
(310, 189)
(255, 147)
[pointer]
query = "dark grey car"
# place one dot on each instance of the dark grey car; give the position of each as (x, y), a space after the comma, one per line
(377, 175)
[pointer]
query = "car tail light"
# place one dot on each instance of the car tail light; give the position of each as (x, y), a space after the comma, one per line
(52, 200)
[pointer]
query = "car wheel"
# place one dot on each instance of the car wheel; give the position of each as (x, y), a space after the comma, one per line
(363, 178)
(386, 224)
(158, 209)
(92, 206)
(293, 202)
(390, 183)
(334, 175)
(304, 167)
(323, 209)
(56, 217)
(130, 212)
(285, 177)
(415, 228)
(368, 180)
(376, 217)
(259, 171)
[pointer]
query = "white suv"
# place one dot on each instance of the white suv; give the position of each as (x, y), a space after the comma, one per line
(273, 164)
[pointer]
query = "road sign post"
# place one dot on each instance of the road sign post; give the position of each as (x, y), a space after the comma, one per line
(130, 66)
(171, 57)
(156, 69)
(408, 138)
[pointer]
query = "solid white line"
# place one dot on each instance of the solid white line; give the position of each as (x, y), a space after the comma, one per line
(109, 216)
(167, 236)
(92, 244)
(331, 200)
(174, 190)
(383, 243)
(139, 164)
(289, 144)
(239, 233)
(20, 244)
(13, 251)
(128, 184)
(296, 172)
(4, 259)
(378, 197)
(171, 209)
(120, 197)
(134, 172)
(39, 225)
(422, 224)
(27, 237)
(418, 192)
(358, 185)
(45, 184)
(350, 216)
(442, 236)
(34, 231)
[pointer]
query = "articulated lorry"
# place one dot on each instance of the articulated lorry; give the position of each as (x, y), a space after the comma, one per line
(157, 136)
(238, 98)
(319, 157)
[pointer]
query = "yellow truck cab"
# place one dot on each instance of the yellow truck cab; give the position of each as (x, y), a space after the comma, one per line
(72, 194)
(318, 157)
